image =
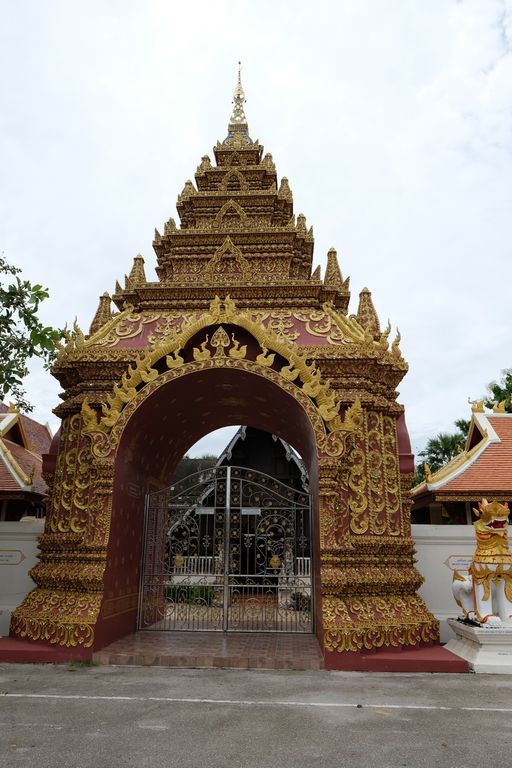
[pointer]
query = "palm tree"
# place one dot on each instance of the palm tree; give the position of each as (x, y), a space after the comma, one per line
(441, 449)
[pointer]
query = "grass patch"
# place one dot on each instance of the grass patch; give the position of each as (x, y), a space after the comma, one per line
(82, 663)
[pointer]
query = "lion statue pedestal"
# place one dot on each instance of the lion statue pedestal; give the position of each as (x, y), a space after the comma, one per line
(483, 632)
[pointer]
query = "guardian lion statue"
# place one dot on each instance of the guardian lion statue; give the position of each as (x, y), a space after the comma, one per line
(485, 595)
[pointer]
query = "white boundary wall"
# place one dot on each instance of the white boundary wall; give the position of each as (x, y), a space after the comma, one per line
(18, 554)
(435, 544)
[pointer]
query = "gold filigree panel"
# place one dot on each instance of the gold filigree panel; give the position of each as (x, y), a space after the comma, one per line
(374, 478)
(369, 622)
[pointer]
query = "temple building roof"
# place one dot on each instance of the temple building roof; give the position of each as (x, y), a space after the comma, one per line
(236, 237)
(483, 468)
(22, 443)
(237, 230)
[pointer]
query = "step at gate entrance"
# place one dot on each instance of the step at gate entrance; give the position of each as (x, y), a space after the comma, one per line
(227, 549)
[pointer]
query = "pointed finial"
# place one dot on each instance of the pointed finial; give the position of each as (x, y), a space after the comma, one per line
(238, 115)
(366, 314)
(239, 91)
(333, 278)
(137, 274)
(238, 131)
(103, 314)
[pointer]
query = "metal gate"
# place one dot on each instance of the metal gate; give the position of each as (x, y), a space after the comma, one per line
(227, 548)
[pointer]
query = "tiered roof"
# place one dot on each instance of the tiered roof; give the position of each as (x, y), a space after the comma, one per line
(482, 469)
(237, 236)
(22, 443)
(237, 231)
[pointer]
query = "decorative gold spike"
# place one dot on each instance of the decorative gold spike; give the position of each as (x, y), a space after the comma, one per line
(118, 288)
(333, 278)
(384, 343)
(188, 189)
(204, 165)
(103, 314)
(366, 314)
(301, 224)
(238, 130)
(78, 336)
(317, 274)
(268, 162)
(500, 407)
(395, 347)
(284, 189)
(137, 274)
(477, 406)
(170, 226)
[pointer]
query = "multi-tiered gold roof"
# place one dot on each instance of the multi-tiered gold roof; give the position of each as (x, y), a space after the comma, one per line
(238, 232)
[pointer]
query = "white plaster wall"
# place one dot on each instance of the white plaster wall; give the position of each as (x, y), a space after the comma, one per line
(18, 554)
(434, 545)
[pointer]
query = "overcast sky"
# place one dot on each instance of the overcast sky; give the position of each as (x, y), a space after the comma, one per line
(392, 120)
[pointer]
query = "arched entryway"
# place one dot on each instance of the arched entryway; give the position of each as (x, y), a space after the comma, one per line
(154, 438)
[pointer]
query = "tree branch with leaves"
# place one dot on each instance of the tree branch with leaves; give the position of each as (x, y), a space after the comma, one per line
(22, 335)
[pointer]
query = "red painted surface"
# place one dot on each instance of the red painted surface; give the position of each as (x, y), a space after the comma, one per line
(432, 658)
(16, 651)
(405, 454)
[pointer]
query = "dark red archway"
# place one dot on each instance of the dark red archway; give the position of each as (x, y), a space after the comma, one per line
(158, 434)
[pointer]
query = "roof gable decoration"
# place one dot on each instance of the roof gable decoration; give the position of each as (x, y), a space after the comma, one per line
(290, 453)
(23, 431)
(22, 442)
(24, 480)
(481, 435)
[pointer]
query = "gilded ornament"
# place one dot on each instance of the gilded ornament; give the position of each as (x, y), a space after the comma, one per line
(279, 323)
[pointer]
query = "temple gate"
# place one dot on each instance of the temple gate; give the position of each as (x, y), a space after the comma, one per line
(238, 329)
(234, 555)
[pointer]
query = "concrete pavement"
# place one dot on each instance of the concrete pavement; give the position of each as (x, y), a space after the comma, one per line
(85, 717)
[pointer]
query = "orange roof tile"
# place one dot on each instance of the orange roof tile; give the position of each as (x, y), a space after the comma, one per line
(38, 436)
(493, 468)
(485, 468)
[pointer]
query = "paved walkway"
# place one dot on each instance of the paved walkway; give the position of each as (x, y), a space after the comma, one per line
(71, 716)
(215, 649)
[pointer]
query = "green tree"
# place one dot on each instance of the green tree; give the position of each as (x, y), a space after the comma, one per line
(442, 448)
(501, 392)
(190, 464)
(22, 335)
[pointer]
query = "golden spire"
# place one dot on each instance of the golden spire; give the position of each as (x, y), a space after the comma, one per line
(238, 115)
(238, 130)
(333, 278)
(137, 275)
(366, 314)
(103, 314)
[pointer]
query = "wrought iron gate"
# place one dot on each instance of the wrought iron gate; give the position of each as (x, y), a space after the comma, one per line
(227, 549)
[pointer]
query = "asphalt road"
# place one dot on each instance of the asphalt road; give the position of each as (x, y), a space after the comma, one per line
(81, 717)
